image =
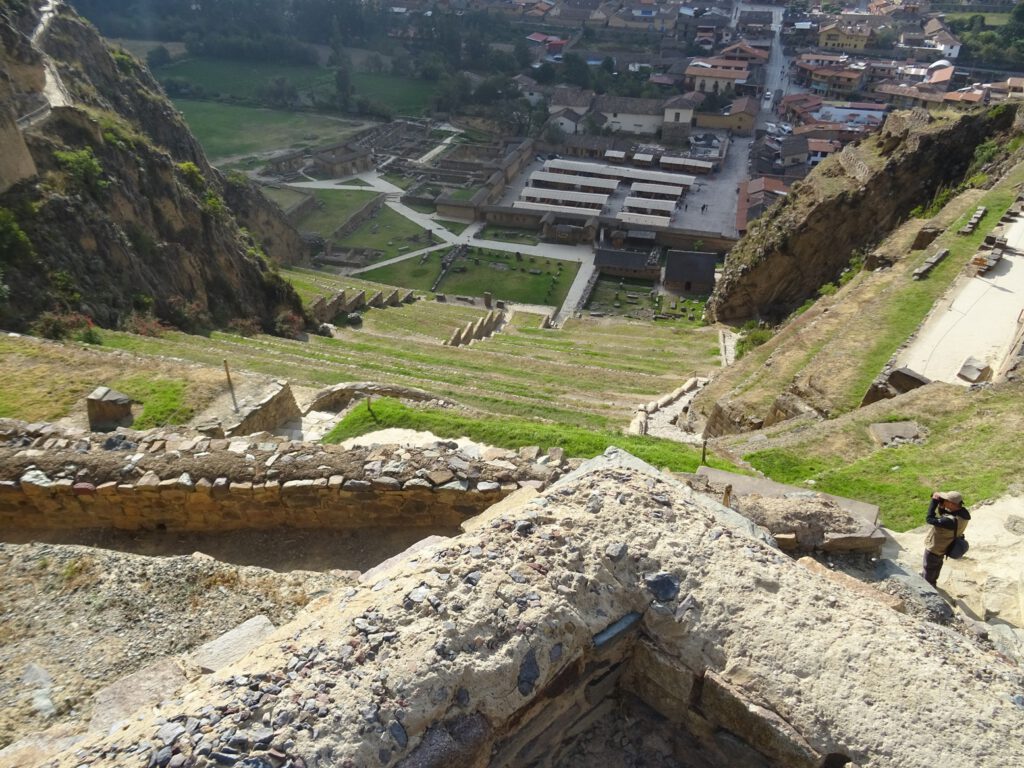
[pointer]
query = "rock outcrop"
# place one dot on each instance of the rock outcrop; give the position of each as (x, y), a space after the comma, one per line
(849, 203)
(615, 588)
(123, 212)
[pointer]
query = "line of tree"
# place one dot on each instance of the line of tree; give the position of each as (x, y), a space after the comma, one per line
(996, 46)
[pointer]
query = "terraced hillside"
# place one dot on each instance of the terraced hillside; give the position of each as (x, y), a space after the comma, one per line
(591, 373)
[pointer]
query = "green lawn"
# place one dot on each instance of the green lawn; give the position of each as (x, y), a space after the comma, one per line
(523, 236)
(244, 79)
(496, 272)
(228, 130)
(389, 232)
(404, 95)
(515, 433)
(403, 182)
(991, 19)
(283, 196)
(334, 207)
(463, 194)
(632, 297)
(455, 227)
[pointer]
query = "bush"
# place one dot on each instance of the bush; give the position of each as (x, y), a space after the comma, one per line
(192, 175)
(143, 324)
(83, 170)
(15, 247)
(289, 325)
(751, 338)
(189, 316)
(61, 325)
(244, 326)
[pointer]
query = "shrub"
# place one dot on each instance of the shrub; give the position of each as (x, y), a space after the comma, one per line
(60, 325)
(15, 247)
(751, 339)
(143, 324)
(244, 326)
(189, 316)
(192, 175)
(83, 170)
(289, 325)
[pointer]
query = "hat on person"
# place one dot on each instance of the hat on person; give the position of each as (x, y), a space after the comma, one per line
(953, 496)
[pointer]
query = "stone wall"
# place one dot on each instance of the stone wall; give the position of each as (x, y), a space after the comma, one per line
(177, 481)
(352, 223)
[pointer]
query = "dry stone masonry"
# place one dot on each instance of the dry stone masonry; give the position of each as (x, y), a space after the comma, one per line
(162, 480)
(615, 596)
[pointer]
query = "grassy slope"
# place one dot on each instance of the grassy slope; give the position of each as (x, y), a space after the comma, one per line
(514, 433)
(404, 95)
(973, 444)
(831, 353)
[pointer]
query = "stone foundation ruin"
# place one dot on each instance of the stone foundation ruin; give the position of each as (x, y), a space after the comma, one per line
(618, 601)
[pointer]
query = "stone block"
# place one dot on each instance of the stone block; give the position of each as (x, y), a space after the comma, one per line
(150, 685)
(232, 645)
(888, 433)
(108, 409)
(762, 729)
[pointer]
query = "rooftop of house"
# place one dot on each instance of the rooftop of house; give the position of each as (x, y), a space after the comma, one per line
(628, 105)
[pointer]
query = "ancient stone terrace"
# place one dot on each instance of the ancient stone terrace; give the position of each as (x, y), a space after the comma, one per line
(617, 596)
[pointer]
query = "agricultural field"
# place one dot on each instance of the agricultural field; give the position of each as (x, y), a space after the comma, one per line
(230, 131)
(534, 280)
(334, 208)
(388, 232)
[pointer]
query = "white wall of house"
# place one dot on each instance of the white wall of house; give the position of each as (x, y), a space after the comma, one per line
(627, 123)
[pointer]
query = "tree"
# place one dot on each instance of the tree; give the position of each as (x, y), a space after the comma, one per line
(545, 74)
(575, 70)
(553, 134)
(343, 86)
(522, 53)
(280, 92)
(158, 57)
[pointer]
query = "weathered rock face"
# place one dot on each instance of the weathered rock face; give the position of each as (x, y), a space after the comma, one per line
(848, 203)
(503, 646)
(139, 220)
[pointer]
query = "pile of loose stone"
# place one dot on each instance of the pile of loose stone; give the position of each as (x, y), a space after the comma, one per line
(127, 456)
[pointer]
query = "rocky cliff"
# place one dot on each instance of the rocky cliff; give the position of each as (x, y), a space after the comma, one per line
(850, 202)
(120, 206)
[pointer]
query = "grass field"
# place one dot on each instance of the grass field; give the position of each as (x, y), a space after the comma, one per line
(591, 373)
(334, 208)
(496, 272)
(632, 297)
(283, 196)
(455, 227)
(404, 95)
(244, 79)
(389, 232)
(991, 19)
(227, 130)
(509, 235)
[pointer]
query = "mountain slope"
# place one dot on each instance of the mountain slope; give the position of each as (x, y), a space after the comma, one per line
(124, 213)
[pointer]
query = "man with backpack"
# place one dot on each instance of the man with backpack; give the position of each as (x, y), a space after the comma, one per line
(948, 517)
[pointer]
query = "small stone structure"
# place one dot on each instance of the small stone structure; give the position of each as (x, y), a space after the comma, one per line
(337, 396)
(617, 596)
(108, 409)
(325, 310)
(481, 328)
(276, 408)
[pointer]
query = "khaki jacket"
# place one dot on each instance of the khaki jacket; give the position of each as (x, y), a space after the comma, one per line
(938, 539)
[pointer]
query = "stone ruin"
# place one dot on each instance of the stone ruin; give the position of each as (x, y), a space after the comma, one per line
(618, 601)
(474, 330)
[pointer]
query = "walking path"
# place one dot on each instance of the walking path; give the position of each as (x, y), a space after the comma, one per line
(54, 92)
(977, 317)
(581, 254)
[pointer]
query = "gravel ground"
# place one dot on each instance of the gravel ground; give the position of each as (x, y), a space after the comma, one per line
(87, 617)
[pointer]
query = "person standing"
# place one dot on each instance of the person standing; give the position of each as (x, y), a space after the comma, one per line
(948, 518)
